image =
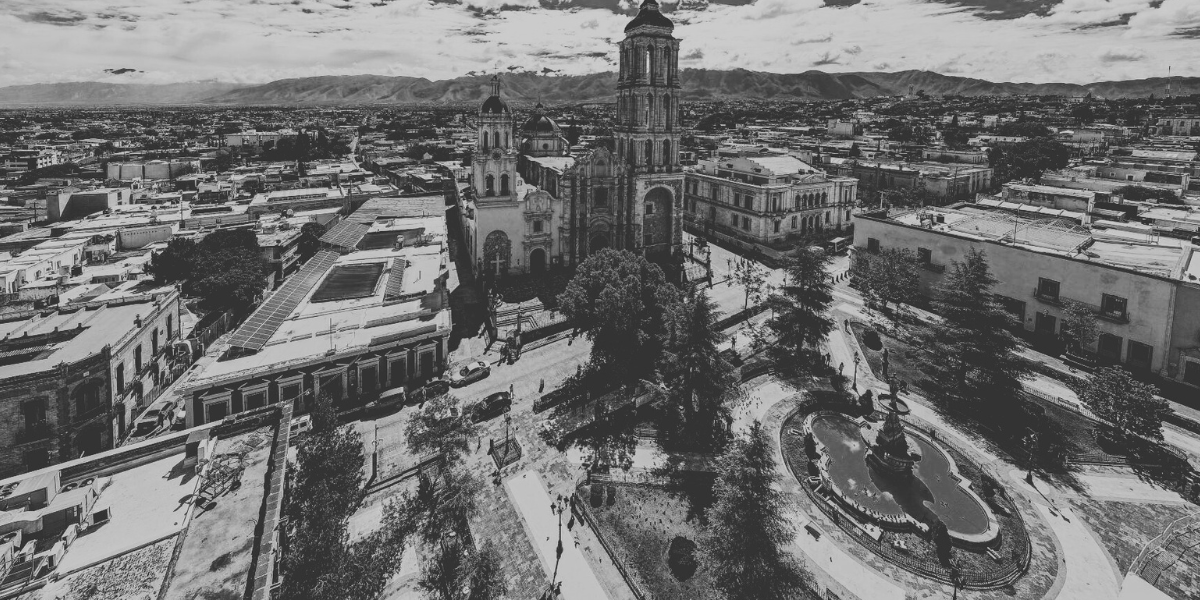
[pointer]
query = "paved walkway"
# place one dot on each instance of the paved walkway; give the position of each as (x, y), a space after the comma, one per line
(529, 495)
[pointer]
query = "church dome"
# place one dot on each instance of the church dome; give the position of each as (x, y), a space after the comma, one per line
(494, 106)
(651, 16)
(540, 123)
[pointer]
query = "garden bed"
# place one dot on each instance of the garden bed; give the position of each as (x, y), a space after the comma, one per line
(640, 524)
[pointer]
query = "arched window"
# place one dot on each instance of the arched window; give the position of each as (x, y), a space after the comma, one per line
(666, 109)
(504, 184)
(667, 64)
(646, 63)
(652, 72)
(505, 139)
(649, 152)
(483, 139)
(667, 152)
(649, 110)
(824, 197)
(496, 139)
(490, 188)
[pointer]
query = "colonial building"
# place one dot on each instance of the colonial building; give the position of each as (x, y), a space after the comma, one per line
(536, 205)
(766, 199)
(72, 378)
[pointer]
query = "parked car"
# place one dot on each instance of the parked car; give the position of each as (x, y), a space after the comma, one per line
(469, 373)
(389, 400)
(157, 419)
(491, 406)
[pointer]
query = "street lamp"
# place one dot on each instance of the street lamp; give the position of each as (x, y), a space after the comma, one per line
(558, 507)
(857, 359)
(1031, 441)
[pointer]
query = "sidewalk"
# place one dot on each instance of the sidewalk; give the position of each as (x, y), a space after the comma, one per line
(529, 495)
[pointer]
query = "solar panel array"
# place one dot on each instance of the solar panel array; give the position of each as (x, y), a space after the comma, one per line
(346, 234)
(395, 282)
(349, 281)
(258, 329)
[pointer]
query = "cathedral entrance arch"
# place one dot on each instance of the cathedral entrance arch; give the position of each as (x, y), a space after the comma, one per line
(598, 243)
(497, 252)
(537, 260)
(656, 216)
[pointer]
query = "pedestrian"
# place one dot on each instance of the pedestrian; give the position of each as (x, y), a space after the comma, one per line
(491, 446)
(841, 366)
(510, 389)
(542, 385)
(846, 324)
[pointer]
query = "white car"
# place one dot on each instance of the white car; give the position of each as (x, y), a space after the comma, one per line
(469, 373)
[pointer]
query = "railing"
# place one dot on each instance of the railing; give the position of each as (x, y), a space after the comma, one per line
(580, 506)
(1055, 299)
(1113, 316)
(934, 267)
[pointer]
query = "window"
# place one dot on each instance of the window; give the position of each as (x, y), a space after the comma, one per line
(1191, 372)
(215, 411)
(1113, 306)
(256, 399)
(601, 200)
(649, 208)
(827, 217)
(137, 359)
(1139, 355)
(925, 255)
(872, 245)
(1108, 346)
(154, 342)
(34, 412)
(793, 221)
(121, 378)
(537, 226)
(734, 220)
(490, 187)
(712, 189)
(504, 184)
(1047, 288)
(746, 223)
(777, 224)
(737, 199)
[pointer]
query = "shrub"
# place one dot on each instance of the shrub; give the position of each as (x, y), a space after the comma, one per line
(596, 497)
(681, 558)
(872, 341)
(612, 495)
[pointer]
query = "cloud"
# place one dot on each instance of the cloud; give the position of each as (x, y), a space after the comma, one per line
(240, 41)
(1116, 55)
(121, 71)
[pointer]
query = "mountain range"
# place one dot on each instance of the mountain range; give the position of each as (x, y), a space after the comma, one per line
(696, 84)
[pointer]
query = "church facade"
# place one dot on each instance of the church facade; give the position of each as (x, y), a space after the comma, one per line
(537, 205)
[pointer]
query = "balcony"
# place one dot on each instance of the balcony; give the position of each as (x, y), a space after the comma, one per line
(34, 432)
(1053, 300)
(1113, 316)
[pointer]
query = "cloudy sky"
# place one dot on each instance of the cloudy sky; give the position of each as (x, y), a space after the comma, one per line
(156, 41)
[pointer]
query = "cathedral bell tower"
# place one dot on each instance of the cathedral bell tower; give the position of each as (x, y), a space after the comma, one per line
(647, 134)
(495, 161)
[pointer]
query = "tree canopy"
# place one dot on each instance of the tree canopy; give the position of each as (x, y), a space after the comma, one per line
(1028, 160)
(700, 379)
(625, 303)
(1137, 193)
(1126, 403)
(310, 239)
(800, 309)
(974, 353)
(748, 527)
(226, 269)
(892, 275)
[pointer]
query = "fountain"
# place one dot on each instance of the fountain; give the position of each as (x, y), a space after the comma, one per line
(895, 477)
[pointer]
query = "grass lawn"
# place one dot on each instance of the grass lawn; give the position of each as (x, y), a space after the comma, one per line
(640, 525)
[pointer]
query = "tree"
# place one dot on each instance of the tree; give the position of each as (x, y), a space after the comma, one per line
(973, 352)
(700, 379)
(800, 310)
(751, 276)
(1079, 325)
(321, 562)
(310, 239)
(1083, 114)
(1129, 405)
(624, 303)
(941, 541)
(1029, 159)
(445, 572)
(487, 577)
(440, 428)
(226, 269)
(748, 525)
(1023, 129)
(892, 275)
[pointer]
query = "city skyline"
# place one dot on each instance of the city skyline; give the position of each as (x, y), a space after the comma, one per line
(1072, 41)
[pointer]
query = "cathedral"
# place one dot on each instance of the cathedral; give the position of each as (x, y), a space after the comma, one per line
(537, 205)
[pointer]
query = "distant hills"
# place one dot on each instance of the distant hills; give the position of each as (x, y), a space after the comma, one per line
(697, 84)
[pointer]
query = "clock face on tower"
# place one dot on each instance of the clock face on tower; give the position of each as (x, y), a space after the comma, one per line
(496, 153)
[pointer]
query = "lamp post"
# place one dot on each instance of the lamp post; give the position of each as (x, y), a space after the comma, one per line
(857, 359)
(558, 506)
(1031, 441)
(956, 581)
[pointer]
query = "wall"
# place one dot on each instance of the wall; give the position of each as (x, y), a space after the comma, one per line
(124, 353)
(138, 237)
(1185, 331)
(1150, 299)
